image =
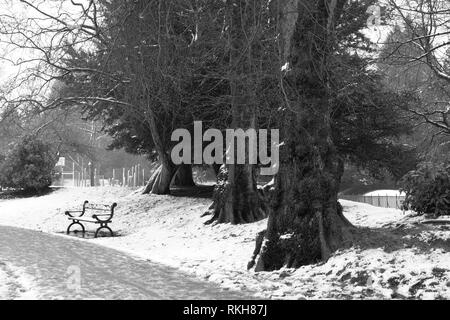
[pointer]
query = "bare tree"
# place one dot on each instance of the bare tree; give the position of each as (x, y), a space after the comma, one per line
(423, 40)
(120, 58)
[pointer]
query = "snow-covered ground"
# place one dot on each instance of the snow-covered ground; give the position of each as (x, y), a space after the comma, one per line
(15, 283)
(45, 266)
(396, 256)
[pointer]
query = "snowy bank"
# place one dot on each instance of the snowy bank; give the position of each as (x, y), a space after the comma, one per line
(397, 257)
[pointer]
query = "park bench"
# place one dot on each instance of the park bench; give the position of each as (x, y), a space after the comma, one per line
(102, 216)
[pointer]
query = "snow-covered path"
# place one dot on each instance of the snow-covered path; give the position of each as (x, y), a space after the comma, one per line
(45, 266)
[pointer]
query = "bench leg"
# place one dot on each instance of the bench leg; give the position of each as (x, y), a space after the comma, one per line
(74, 223)
(103, 226)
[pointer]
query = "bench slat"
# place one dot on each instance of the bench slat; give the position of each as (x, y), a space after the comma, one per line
(86, 220)
(99, 209)
(98, 206)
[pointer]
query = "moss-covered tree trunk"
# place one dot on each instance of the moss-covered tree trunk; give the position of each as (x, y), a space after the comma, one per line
(306, 223)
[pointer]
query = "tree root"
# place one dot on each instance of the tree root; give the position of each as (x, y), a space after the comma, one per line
(310, 239)
(160, 180)
(236, 203)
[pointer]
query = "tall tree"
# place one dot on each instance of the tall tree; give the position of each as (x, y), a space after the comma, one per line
(423, 41)
(236, 196)
(306, 223)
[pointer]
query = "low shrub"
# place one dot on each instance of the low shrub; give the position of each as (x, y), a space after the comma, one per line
(28, 165)
(428, 189)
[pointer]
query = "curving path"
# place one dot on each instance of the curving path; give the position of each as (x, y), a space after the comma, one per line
(54, 263)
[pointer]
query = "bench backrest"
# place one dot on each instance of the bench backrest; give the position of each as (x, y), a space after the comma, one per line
(101, 208)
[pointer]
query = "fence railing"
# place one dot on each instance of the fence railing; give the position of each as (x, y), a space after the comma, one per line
(133, 177)
(394, 202)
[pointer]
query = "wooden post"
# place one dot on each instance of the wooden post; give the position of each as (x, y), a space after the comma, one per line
(123, 177)
(138, 176)
(143, 177)
(62, 176)
(73, 173)
(113, 177)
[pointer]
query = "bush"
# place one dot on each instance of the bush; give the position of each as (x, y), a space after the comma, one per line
(428, 189)
(28, 165)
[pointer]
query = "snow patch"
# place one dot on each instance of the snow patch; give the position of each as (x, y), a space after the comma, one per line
(396, 256)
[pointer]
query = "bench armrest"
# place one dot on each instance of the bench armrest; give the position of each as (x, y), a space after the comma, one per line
(69, 213)
(107, 216)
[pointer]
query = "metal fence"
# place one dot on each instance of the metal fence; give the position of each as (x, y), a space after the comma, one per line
(394, 202)
(124, 177)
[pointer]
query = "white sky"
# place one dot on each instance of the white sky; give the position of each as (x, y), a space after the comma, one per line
(14, 9)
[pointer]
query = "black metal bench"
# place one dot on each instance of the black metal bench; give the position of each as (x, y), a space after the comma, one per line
(101, 218)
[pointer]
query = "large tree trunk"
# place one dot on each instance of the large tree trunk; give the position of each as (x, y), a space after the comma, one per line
(306, 223)
(236, 196)
(160, 180)
(183, 176)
